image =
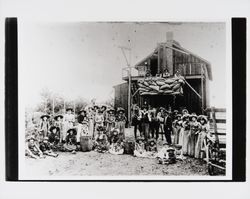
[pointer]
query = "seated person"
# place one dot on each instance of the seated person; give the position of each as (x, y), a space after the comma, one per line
(140, 148)
(32, 149)
(70, 141)
(46, 147)
(101, 144)
(166, 155)
(117, 146)
(54, 135)
(152, 148)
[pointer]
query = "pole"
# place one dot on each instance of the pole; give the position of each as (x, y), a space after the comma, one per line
(64, 108)
(129, 97)
(202, 91)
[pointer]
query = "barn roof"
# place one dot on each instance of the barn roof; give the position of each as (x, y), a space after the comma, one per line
(176, 46)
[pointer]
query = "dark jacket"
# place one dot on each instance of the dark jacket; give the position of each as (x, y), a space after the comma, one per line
(168, 123)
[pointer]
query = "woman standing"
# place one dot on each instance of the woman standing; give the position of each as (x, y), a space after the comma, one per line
(59, 124)
(204, 130)
(68, 122)
(194, 125)
(44, 126)
(177, 128)
(120, 121)
(185, 133)
(91, 116)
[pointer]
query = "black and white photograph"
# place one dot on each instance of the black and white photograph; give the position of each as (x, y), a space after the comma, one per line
(144, 100)
(124, 99)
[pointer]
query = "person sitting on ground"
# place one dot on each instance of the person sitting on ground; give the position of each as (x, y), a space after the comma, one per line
(70, 141)
(140, 148)
(101, 144)
(152, 148)
(117, 146)
(54, 136)
(32, 149)
(46, 147)
(83, 125)
(166, 155)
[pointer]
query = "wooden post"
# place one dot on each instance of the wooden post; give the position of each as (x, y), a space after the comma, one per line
(202, 91)
(159, 60)
(53, 106)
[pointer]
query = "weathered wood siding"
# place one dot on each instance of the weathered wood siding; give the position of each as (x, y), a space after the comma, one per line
(121, 96)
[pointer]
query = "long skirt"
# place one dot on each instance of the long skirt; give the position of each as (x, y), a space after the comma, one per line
(180, 140)
(121, 126)
(191, 144)
(176, 132)
(199, 144)
(91, 127)
(185, 140)
(66, 127)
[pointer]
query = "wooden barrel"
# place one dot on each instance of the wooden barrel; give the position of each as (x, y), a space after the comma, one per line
(86, 143)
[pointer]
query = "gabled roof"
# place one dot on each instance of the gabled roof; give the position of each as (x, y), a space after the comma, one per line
(176, 46)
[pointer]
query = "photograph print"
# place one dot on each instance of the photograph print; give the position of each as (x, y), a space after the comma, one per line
(123, 100)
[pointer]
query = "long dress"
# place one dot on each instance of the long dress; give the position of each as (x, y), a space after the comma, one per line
(44, 128)
(185, 137)
(91, 116)
(68, 123)
(200, 140)
(120, 124)
(140, 150)
(192, 138)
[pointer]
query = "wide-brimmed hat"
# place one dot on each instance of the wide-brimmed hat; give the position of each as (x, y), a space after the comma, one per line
(170, 149)
(175, 111)
(193, 115)
(31, 137)
(53, 127)
(82, 110)
(45, 138)
(184, 110)
(104, 106)
(72, 129)
(45, 115)
(115, 131)
(69, 108)
(185, 117)
(110, 110)
(120, 109)
(139, 139)
(57, 116)
(152, 140)
(96, 106)
(202, 117)
(100, 128)
(165, 143)
(178, 116)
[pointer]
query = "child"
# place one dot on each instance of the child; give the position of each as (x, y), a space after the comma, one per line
(117, 146)
(44, 125)
(202, 133)
(68, 123)
(83, 125)
(59, 123)
(152, 148)
(166, 155)
(32, 149)
(99, 120)
(140, 148)
(70, 141)
(120, 121)
(46, 148)
(54, 136)
(110, 122)
(101, 141)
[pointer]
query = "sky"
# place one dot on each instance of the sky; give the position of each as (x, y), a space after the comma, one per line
(83, 59)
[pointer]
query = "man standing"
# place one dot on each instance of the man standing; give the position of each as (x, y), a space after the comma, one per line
(167, 127)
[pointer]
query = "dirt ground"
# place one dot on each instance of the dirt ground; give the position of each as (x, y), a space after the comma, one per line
(93, 163)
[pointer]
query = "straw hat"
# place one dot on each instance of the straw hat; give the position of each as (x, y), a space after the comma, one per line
(45, 115)
(57, 116)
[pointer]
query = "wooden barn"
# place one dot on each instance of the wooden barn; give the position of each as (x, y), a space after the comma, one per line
(170, 56)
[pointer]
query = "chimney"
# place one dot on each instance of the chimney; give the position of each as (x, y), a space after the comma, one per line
(169, 36)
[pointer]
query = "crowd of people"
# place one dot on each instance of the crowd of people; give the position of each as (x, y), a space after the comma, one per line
(102, 129)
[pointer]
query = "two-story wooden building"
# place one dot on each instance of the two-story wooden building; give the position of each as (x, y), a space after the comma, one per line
(170, 56)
